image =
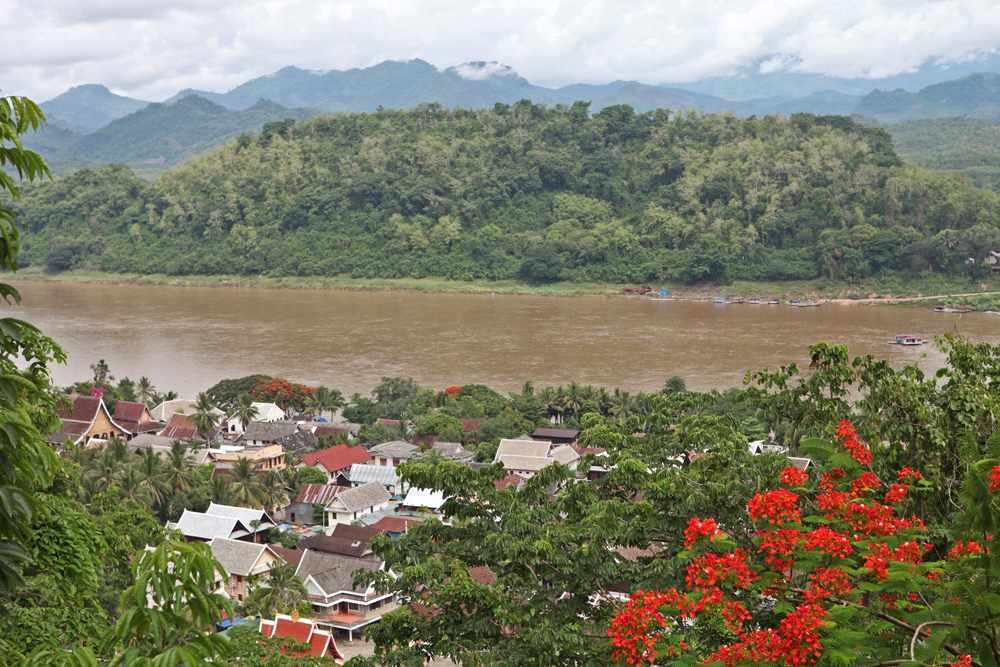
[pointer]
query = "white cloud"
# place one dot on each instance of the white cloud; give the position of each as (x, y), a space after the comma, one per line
(480, 71)
(152, 48)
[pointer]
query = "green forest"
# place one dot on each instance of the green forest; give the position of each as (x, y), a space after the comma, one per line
(524, 192)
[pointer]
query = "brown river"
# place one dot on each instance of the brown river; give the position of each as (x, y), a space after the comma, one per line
(187, 338)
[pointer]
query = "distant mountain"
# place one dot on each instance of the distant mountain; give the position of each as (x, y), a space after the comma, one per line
(825, 102)
(775, 76)
(88, 107)
(974, 96)
(168, 133)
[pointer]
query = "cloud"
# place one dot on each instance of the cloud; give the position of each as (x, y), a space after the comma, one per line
(152, 48)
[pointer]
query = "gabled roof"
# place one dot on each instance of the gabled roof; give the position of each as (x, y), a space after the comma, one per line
(512, 447)
(328, 430)
(512, 479)
(346, 532)
(180, 427)
(79, 416)
(332, 572)
(269, 431)
(556, 433)
(564, 454)
(319, 643)
(292, 556)
(204, 526)
(452, 450)
(167, 409)
(526, 463)
(318, 494)
(395, 449)
(362, 473)
(362, 497)
(394, 524)
(237, 557)
(428, 498)
(336, 458)
(332, 544)
(245, 514)
(135, 417)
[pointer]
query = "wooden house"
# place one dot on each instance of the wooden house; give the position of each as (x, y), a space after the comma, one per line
(86, 421)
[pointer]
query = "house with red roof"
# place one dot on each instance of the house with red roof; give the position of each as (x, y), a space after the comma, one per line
(135, 417)
(302, 511)
(307, 639)
(180, 427)
(337, 459)
(86, 421)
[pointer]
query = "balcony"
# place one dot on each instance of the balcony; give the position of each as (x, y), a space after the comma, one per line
(351, 619)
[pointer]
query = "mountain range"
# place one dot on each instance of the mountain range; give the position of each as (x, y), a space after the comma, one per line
(89, 124)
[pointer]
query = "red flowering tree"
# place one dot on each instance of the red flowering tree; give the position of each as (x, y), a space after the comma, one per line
(840, 572)
(282, 393)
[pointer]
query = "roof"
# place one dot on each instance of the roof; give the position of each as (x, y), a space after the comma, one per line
(134, 417)
(245, 514)
(472, 425)
(318, 494)
(527, 463)
(150, 441)
(451, 450)
(510, 446)
(564, 454)
(389, 422)
(81, 408)
(180, 427)
(394, 524)
(336, 458)
(334, 572)
(512, 479)
(396, 449)
(167, 409)
(269, 431)
(346, 532)
(268, 412)
(363, 497)
(328, 430)
(292, 556)
(800, 462)
(362, 473)
(556, 433)
(78, 416)
(204, 526)
(428, 498)
(332, 544)
(236, 556)
(320, 643)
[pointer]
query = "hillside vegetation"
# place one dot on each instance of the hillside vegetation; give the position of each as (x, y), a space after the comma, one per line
(528, 192)
(967, 146)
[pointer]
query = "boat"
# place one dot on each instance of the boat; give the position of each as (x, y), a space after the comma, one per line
(774, 302)
(755, 302)
(953, 309)
(804, 304)
(720, 300)
(738, 299)
(907, 340)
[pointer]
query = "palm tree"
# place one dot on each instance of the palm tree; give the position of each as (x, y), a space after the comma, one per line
(130, 485)
(117, 449)
(273, 490)
(325, 399)
(245, 410)
(218, 490)
(278, 591)
(104, 473)
(244, 487)
(149, 467)
(177, 476)
(204, 417)
(145, 391)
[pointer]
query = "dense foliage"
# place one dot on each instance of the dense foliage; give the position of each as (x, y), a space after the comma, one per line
(967, 146)
(527, 192)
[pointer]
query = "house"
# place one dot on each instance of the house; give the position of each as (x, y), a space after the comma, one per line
(135, 417)
(363, 473)
(557, 436)
(337, 604)
(393, 453)
(286, 434)
(271, 457)
(337, 431)
(319, 643)
(390, 423)
(257, 519)
(527, 457)
(394, 526)
(204, 527)
(266, 412)
(86, 421)
(511, 480)
(180, 427)
(183, 406)
(242, 560)
(350, 504)
(335, 460)
(423, 499)
(332, 544)
(302, 511)
(453, 451)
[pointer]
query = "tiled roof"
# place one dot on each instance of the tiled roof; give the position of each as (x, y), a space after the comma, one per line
(336, 545)
(335, 572)
(393, 524)
(362, 473)
(129, 411)
(526, 463)
(292, 556)
(245, 514)
(180, 427)
(557, 433)
(346, 532)
(318, 494)
(452, 450)
(396, 449)
(205, 526)
(512, 479)
(362, 497)
(328, 430)
(337, 458)
(81, 408)
(269, 431)
(319, 643)
(512, 447)
(236, 556)
(564, 454)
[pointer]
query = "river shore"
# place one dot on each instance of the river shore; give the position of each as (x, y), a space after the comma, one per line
(892, 290)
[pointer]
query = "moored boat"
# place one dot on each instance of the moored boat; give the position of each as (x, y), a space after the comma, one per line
(908, 340)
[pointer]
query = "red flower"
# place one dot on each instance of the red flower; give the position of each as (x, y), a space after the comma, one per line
(910, 475)
(848, 437)
(829, 542)
(994, 479)
(829, 479)
(792, 476)
(963, 661)
(711, 570)
(878, 559)
(778, 506)
(968, 548)
(698, 529)
(896, 493)
(778, 547)
(865, 482)
(826, 582)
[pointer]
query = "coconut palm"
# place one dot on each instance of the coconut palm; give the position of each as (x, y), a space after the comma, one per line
(244, 485)
(204, 418)
(325, 399)
(104, 472)
(150, 467)
(218, 490)
(278, 591)
(130, 485)
(245, 410)
(177, 476)
(145, 391)
(116, 449)
(274, 493)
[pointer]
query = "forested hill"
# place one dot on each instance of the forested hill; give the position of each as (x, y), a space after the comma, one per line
(527, 192)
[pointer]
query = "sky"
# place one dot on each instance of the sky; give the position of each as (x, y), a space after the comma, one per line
(152, 48)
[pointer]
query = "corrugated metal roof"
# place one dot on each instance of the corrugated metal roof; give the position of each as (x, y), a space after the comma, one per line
(428, 498)
(363, 473)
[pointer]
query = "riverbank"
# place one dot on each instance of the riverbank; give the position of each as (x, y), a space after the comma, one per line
(982, 295)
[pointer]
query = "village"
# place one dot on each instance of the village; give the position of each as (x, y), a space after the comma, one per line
(346, 492)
